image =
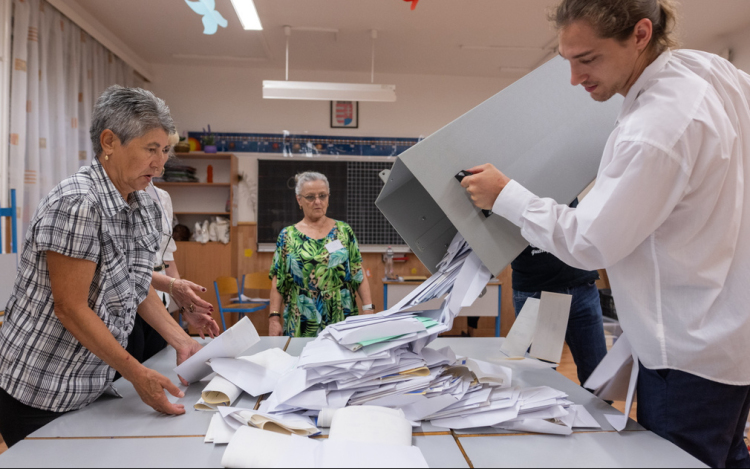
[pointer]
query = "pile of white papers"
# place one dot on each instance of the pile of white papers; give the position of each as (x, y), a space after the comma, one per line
(381, 360)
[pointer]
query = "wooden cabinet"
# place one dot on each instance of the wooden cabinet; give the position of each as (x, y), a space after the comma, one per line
(198, 201)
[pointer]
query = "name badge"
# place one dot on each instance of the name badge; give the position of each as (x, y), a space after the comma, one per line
(334, 246)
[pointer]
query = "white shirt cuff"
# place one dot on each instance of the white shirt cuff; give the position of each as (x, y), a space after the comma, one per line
(512, 202)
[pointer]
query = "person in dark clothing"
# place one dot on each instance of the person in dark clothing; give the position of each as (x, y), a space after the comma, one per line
(535, 271)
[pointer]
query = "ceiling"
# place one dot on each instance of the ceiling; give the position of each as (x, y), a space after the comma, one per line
(441, 37)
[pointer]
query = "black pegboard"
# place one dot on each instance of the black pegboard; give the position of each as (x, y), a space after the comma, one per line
(354, 188)
(364, 186)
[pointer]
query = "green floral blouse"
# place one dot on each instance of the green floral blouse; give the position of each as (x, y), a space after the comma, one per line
(318, 287)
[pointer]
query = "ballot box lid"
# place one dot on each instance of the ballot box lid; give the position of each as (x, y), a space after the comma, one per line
(540, 131)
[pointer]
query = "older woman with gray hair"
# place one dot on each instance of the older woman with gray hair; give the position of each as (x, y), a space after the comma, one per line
(317, 269)
(85, 272)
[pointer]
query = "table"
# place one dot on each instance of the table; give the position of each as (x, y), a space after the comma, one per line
(130, 417)
(125, 432)
(628, 449)
(485, 306)
(184, 452)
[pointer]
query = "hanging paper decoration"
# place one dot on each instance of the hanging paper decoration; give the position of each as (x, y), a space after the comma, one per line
(212, 19)
(413, 3)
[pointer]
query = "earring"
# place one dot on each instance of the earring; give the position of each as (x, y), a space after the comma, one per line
(106, 157)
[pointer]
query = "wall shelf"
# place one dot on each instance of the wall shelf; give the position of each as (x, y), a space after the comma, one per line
(199, 155)
(221, 214)
(192, 184)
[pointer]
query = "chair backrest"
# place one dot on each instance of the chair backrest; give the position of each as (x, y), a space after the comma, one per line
(10, 212)
(257, 281)
(227, 286)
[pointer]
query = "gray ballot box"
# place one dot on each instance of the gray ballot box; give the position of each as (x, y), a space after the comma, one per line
(541, 131)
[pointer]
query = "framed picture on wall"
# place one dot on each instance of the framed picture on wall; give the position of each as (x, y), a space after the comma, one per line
(344, 114)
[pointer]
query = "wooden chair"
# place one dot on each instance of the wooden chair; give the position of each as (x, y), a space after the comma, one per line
(228, 286)
(255, 281)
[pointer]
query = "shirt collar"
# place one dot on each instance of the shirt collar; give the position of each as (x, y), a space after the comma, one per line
(111, 199)
(639, 86)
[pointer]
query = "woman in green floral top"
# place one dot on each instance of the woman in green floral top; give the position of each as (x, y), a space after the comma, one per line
(317, 268)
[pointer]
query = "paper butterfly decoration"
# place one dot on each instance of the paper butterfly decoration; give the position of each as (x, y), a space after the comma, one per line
(212, 19)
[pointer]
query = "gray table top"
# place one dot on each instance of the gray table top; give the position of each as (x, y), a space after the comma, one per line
(130, 417)
(180, 452)
(139, 437)
(628, 449)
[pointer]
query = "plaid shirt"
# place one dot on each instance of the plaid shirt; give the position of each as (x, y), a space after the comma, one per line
(41, 364)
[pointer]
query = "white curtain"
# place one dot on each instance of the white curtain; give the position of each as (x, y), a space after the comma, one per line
(58, 72)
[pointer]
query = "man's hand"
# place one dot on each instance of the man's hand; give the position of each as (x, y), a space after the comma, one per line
(150, 386)
(186, 351)
(275, 329)
(485, 185)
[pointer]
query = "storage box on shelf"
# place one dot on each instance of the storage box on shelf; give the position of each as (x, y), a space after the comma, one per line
(198, 201)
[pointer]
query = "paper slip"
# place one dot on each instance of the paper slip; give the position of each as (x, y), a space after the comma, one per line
(621, 421)
(371, 424)
(334, 246)
(219, 392)
(488, 373)
(378, 330)
(470, 283)
(256, 375)
(584, 419)
(249, 377)
(551, 326)
(611, 379)
(219, 433)
(247, 299)
(537, 426)
(285, 424)
(230, 344)
(521, 335)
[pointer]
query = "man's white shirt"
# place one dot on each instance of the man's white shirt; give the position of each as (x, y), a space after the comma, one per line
(668, 217)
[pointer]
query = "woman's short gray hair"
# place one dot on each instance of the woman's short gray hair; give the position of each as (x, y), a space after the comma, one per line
(303, 178)
(129, 113)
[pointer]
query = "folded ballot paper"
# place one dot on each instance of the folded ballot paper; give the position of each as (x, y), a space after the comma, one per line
(218, 393)
(256, 375)
(230, 344)
(360, 437)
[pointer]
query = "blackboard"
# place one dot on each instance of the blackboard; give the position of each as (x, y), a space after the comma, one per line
(355, 186)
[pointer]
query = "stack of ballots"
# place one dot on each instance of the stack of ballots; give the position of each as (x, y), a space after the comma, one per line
(382, 360)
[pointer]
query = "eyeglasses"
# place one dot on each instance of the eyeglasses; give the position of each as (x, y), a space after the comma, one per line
(312, 198)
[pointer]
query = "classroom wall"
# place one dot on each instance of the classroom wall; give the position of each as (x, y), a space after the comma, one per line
(739, 42)
(230, 100)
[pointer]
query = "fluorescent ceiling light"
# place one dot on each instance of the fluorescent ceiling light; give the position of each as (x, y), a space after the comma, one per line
(328, 91)
(248, 15)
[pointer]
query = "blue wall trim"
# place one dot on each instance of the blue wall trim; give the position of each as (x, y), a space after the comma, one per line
(306, 144)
